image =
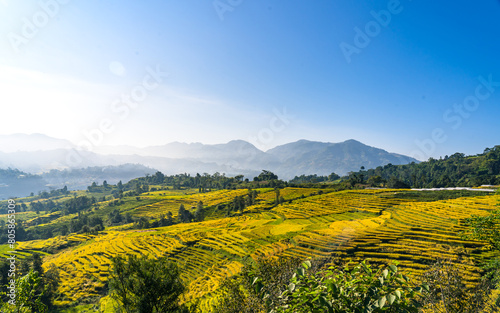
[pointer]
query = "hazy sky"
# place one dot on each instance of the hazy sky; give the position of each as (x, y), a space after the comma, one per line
(415, 77)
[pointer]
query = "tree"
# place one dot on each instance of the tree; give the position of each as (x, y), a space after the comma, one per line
(29, 293)
(170, 220)
(159, 177)
(51, 280)
(199, 214)
(37, 263)
(237, 294)
(349, 289)
(266, 176)
(397, 184)
(184, 215)
(375, 181)
(333, 177)
(145, 285)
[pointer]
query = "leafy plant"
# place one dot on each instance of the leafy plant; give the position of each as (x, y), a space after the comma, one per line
(145, 285)
(359, 289)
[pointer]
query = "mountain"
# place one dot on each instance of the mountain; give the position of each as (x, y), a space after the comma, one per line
(323, 158)
(39, 153)
(288, 160)
(238, 154)
(15, 183)
(81, 178)
(32, 142)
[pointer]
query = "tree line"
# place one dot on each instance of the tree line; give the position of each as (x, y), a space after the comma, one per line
(456, 170)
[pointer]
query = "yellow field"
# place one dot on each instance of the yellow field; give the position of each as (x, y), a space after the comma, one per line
(353, 225)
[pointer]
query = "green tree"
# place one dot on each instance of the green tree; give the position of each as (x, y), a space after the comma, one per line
(142, 285)
(375, 181)
(266, 176)
(238, 294)
(184, 215)
(29, 294)
(199, 214)
(357, 289)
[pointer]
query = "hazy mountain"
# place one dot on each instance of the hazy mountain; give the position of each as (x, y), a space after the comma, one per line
(32, 142)
(15, 183)
(232, 158)
(323, 158)
(238, 154)
(81, 178)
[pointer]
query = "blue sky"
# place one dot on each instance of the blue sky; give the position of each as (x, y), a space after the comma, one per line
(419, 78)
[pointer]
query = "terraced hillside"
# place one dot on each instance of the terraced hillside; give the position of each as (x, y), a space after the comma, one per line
(379, 224)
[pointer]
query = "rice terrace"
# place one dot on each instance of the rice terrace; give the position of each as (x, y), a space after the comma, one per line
(213, 233)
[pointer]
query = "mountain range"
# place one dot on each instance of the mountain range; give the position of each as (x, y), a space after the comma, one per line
(37, 153)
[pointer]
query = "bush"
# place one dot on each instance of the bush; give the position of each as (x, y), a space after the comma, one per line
(145, 285)
(347, 289)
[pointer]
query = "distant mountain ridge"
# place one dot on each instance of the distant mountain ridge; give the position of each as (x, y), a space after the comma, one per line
(16, 183)
(320, 158)
(232, 158)
(32, 142)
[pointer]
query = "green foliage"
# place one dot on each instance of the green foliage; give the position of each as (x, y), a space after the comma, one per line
(184, 216)
(450, 171)
(266, 176)
(485, 228)
(348, 289)
(143, 285)
(29, 293)
(305, 179)
(199, 214)
(287, 285)
(239, 295)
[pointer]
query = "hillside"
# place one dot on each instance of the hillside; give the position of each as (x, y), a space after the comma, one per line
(411, 227)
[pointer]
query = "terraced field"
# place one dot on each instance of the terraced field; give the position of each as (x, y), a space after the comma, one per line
(376, 224)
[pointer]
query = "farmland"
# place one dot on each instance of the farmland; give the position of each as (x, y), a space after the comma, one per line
(413, 228)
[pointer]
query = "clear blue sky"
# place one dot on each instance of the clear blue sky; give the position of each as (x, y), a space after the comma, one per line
(232, 64)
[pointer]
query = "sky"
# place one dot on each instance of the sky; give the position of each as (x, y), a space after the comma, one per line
(420, 78)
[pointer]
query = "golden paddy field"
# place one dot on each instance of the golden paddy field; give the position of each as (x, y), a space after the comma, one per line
(358, 224)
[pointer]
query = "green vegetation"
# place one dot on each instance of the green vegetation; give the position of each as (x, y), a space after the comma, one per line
(350, 289)
(450, 171)
(141, 285)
